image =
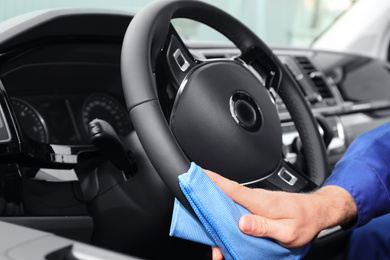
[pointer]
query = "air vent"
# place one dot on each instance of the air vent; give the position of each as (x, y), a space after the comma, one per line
(305, 64)
(314, 75)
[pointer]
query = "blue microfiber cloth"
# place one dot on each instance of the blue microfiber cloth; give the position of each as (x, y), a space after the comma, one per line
(218, 225)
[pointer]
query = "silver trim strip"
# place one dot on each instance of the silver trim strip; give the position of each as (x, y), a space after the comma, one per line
(328, 231)
(256, 181)
(5, 124)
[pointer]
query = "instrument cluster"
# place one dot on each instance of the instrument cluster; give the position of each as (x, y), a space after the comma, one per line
(63, 118)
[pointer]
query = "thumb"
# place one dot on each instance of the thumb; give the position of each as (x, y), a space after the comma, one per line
(255, 225)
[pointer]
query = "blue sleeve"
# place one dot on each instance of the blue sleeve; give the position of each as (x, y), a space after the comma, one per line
(364, 171)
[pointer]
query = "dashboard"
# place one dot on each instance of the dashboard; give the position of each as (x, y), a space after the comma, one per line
(60, 80)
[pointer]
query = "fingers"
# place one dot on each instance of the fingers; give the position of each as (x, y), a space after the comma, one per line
(285, 217)
(217, 253)
(228, 186)
(234, 190)
(255, 200)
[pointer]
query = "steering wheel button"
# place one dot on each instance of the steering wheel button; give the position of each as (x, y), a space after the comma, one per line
(287, 177)
(180, 60)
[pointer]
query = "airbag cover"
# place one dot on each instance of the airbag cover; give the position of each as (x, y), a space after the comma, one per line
(207, 126)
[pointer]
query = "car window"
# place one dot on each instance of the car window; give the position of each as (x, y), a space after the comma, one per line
(277, 22)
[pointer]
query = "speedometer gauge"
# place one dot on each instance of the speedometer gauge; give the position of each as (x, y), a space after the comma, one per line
(30, 121)
(107, 108)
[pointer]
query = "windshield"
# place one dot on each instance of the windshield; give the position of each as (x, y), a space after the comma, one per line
(277, 22)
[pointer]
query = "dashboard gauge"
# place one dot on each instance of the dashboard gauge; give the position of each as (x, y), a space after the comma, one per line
(109, 109)
(30, 121)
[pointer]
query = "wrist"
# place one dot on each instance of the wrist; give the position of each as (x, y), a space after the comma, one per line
(334, 206)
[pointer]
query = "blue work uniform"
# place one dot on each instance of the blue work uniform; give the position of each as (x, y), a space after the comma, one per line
(364, 171)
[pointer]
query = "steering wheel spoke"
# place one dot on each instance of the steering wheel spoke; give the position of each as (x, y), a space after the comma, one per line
(286, 177)
(264, 65)
(178, 58)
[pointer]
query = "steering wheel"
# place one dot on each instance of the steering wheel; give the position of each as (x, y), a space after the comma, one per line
(223, 117)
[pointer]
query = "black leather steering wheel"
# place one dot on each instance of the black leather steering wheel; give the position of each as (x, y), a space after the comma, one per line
(223, 117)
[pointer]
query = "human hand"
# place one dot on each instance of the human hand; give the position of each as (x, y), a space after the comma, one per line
(292, 219)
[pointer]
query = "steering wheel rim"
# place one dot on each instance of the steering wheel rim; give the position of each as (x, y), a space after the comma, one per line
(143, 42)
